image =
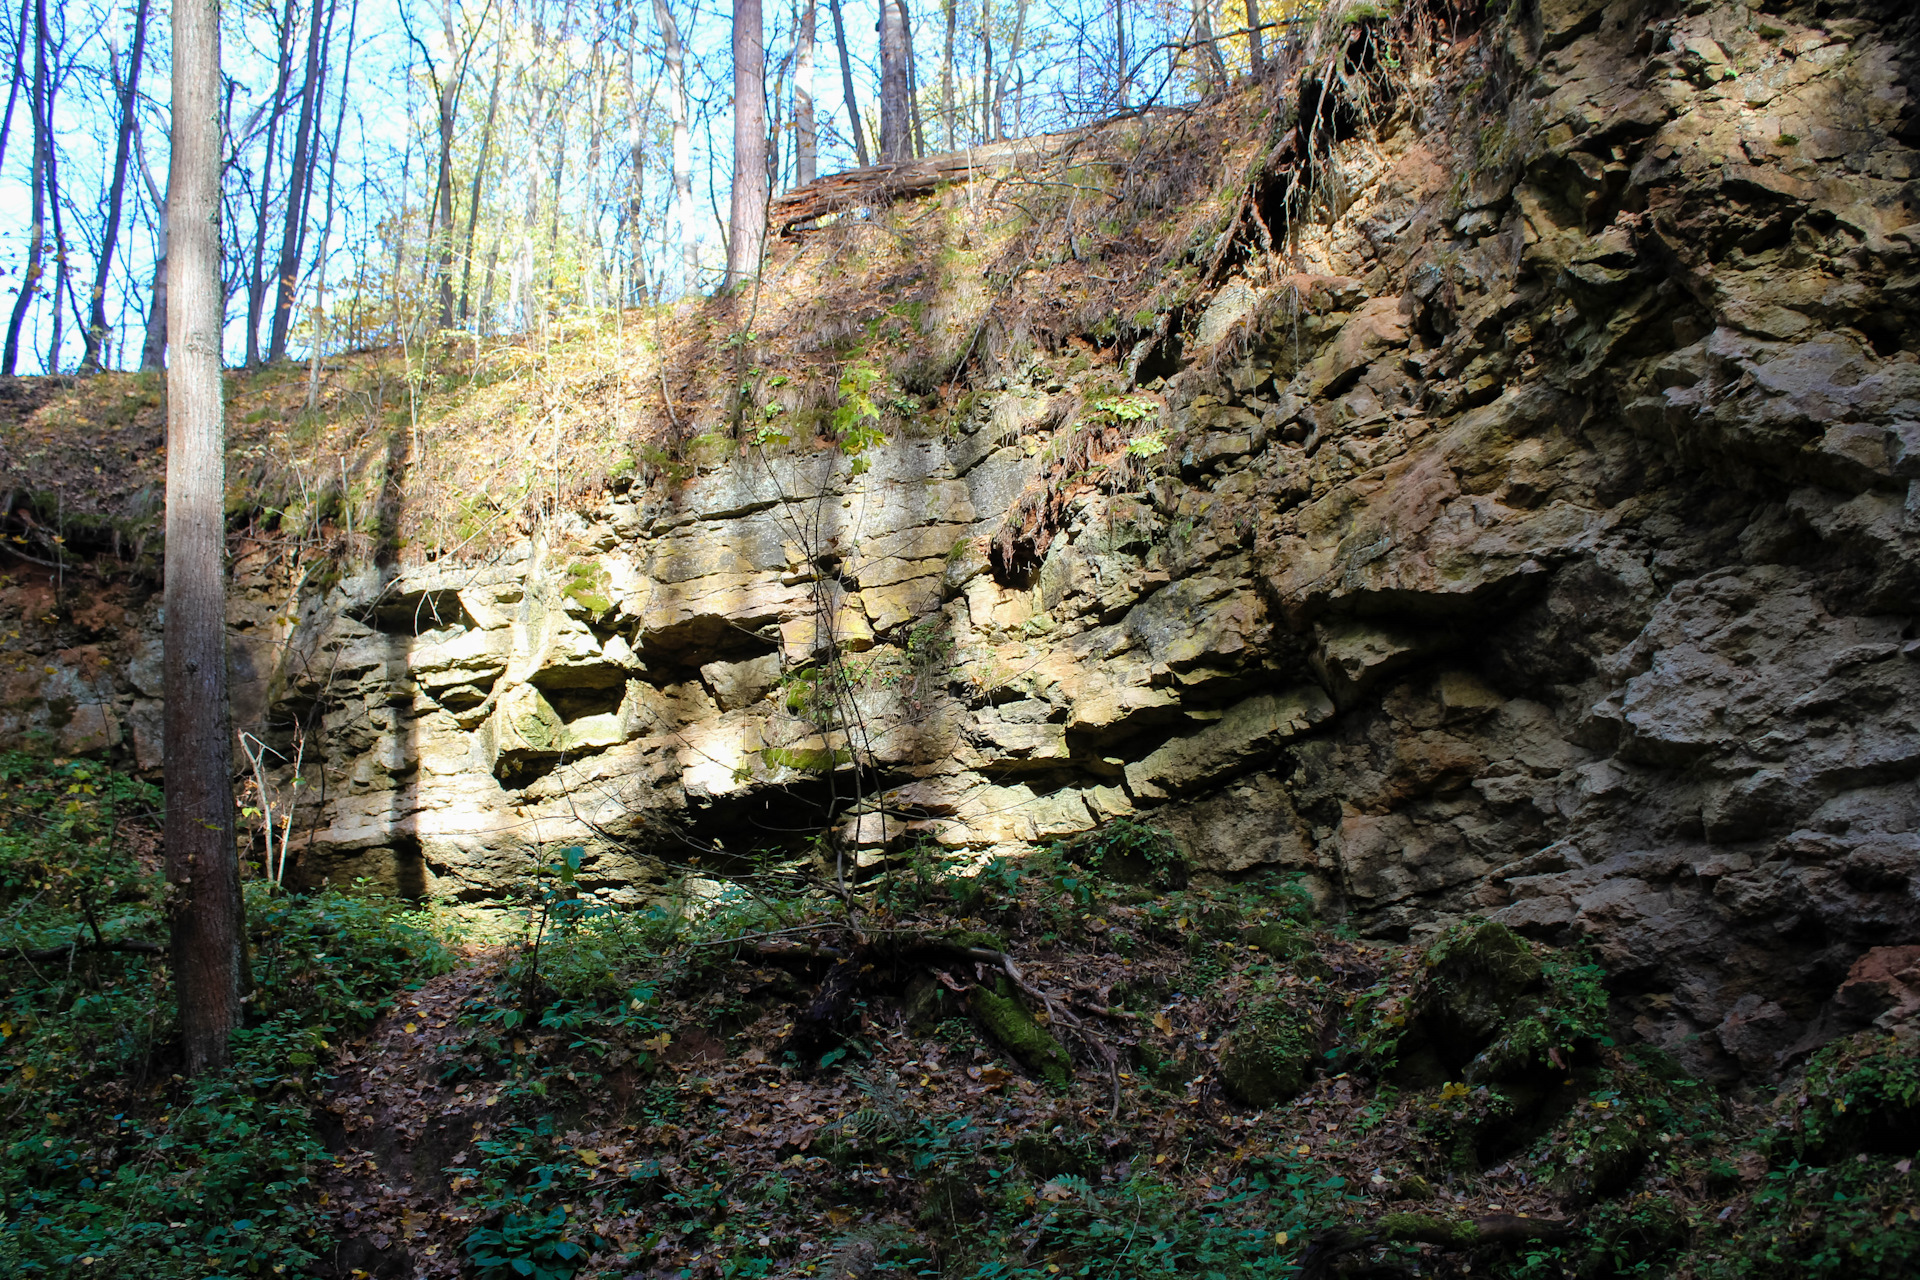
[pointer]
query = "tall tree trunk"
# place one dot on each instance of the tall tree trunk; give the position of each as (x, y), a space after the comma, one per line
(676, 58)
(1213, 70)
(747, 223)
(326, 227)
(806, 134)
(1007, 67)
(203, 873)
(1256, 44)
(61, 281)
(286, 277)
(896, 128)
(774, 125)
(950, 10)
(277, 107)
(1122, 77)
(312, 170)
(986, 72)
(18, 74)
(633, 270)
(846, 85)
(447, 101)
(913, 83)
(479, 167)
(110, 234)
(37, 217)
(153, 350)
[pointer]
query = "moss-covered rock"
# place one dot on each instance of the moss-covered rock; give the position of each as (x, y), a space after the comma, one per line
(1267, 1059)
(1048, 1155)
(1008, 1022)
(1281, 941)
(1474, 983)
(975, 939)
(1862, 1094)
(1477, 979)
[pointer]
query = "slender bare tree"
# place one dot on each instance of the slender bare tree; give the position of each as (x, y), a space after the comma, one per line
(129, 88)
(153, 350)
(896, 124)
(805, 131)
(675, 55)
(275, 108)
(950, 10)
(18, 75)
(747, 225)
(37, 215)
(203, 873)
(846, 85)
(479, 166)
(299, 182)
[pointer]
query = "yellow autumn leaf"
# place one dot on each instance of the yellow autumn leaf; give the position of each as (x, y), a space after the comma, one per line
(411, 1027)
(1280, 1237)
(1163, 1024)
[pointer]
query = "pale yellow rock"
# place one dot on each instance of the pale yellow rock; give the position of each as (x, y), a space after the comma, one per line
(805, 636)
(1246, 734)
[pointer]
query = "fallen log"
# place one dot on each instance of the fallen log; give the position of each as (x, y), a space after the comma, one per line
(1328, 1247)
(882, 184)
(128, 947)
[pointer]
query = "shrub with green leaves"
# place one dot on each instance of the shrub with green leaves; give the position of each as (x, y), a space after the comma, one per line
(113, 1166)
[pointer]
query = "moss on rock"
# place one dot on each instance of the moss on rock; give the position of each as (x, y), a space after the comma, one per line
(1267, 1060)
(1281, 941)
(1008, 1022)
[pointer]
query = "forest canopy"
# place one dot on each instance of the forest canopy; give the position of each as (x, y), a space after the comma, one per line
(399, 170)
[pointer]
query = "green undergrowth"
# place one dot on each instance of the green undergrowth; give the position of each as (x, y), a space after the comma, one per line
(114, 1165)
(760, 1076)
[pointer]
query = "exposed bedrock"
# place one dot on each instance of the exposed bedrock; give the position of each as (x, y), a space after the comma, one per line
(1546, 547)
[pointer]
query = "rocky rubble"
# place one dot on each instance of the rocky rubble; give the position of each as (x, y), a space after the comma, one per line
(1539, 542)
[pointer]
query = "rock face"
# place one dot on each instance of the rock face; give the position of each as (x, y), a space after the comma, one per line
(1546, 547)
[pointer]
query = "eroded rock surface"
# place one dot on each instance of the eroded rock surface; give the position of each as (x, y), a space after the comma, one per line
(1543, 546)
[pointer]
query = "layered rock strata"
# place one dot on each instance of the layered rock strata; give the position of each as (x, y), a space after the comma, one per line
(1540, 541)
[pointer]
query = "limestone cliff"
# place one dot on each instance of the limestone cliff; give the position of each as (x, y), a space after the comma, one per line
(1514, 509)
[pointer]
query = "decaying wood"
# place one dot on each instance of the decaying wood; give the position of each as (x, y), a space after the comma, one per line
(882, 184)
(1329, 1247)
(128, 947)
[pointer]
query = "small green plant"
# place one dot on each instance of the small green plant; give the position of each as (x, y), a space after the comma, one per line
(852, 421)
(528, 1246)
(113, 1166)
(589, 584)
(1131, 852)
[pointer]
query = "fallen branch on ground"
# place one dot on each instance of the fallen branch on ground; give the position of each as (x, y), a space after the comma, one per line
(882, 184)
(130, 947)
(1328, 1247)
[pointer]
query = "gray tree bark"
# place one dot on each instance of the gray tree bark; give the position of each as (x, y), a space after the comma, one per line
(90, 361)
(153, 350)
(805, 131)
(203, 872)
(677, 118)
(747, 222)
(846, 86)
(299, 189)
(896, 125)
(37, 216)
(277, 106)
(479, 167)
